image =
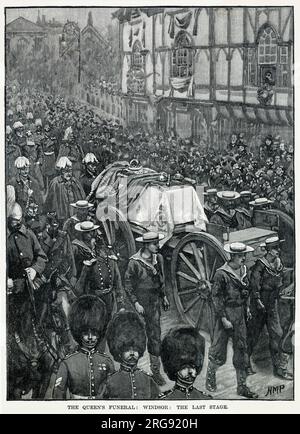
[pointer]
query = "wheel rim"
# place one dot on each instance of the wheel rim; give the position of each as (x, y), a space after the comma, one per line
(117, 234)
(286, 232)
(194, 263)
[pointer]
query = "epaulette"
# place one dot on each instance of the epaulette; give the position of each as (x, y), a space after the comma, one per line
(103, 354)
(205, 394)
(71, 354)
(165, 394)
(146, 373)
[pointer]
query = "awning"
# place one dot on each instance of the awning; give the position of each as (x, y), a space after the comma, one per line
(223, 111)
(256, 114)
(250, 114)
(262, 116)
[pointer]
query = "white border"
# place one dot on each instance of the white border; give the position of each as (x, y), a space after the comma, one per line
(236, 407)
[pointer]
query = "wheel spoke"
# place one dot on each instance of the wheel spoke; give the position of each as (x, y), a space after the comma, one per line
(198, 260)
(198, 320)
(213, 269)
(192, 304)
(190, 265)
(205, 259)
(187, 277)
(188, 291)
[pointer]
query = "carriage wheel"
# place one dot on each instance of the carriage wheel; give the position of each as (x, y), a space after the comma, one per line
(117, 233)
(286, 232)
(195, 260)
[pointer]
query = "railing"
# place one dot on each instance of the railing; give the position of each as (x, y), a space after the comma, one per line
(110, 105)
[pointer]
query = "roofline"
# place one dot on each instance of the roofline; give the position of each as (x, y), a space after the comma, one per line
(23, 31)
(97, 33)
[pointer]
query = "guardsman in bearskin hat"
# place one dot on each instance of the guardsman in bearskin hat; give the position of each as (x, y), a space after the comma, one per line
(85, 372)
(230, 293)
(126, 338)
(266, 282)
(182, 355)
(145, 287)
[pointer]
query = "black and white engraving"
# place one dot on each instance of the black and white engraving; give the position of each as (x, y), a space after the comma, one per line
(150, 203)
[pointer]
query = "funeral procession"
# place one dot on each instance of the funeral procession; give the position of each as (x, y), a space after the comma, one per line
(149, 175)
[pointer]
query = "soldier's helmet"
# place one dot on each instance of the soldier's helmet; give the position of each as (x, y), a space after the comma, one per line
(126, 330)
(182, 346)
(88, 312)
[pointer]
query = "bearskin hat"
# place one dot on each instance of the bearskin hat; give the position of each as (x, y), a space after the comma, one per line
(87, 312)
(182, 346)
(126, 330)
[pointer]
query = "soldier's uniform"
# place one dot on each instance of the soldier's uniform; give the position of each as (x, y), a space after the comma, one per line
(179, 392)
(84, 374)
(183, 348)
(27, 190)
(23, 250)
(131, 384)
(126, 332)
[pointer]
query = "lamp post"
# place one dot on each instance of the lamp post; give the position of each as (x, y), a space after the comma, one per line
(71, 33)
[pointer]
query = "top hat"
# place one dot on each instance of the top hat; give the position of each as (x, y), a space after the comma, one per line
(150, 237)
(237, 248)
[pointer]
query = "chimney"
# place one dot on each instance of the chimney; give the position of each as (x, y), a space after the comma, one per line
(90, 19)
(44, 20)
(38, 21)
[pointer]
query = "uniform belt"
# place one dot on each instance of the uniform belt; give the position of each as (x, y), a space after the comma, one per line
(82, 397)
(234, 304)
(103, 291)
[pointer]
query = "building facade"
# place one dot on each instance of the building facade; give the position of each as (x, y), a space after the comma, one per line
(23, 36)
(205, 72)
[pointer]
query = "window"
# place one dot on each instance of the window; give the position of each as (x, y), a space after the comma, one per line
(22, 44)
(283, 77)
(267, 47)
(182, 56)
(252, 67)
(137, 58)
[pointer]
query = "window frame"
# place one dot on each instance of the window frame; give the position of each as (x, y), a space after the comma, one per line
(182, 58)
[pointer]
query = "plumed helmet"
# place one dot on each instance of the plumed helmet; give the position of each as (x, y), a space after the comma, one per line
(126, 330)
(182, 346)
(68, 133)
(17, 125)
(90, 158)
(87, 312)
(21, 162)
(63, 162)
